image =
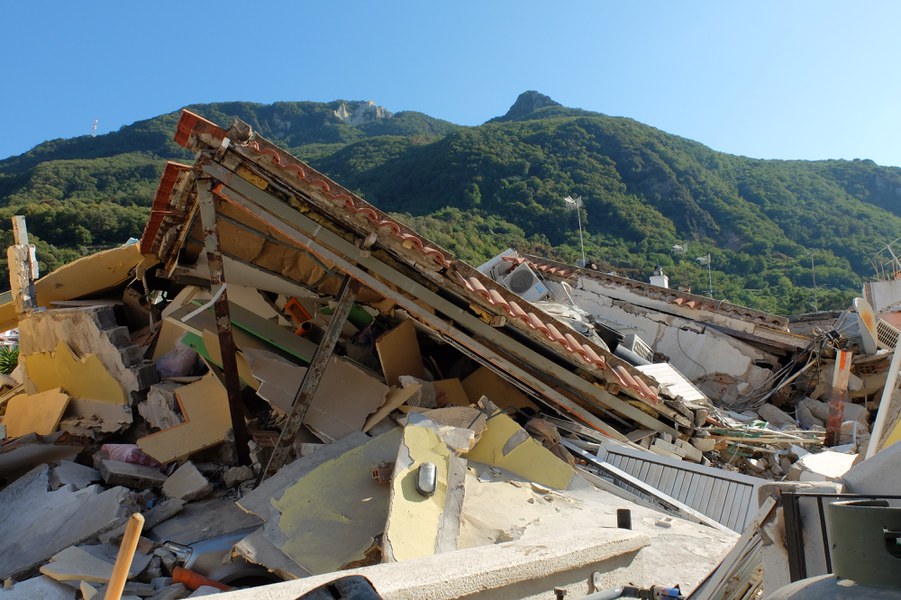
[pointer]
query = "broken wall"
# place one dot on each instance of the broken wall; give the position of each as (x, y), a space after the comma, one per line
(716, 362)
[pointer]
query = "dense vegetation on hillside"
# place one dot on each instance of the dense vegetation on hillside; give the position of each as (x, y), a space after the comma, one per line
(783, 236)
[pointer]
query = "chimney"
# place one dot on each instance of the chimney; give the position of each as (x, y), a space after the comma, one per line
(659, 279)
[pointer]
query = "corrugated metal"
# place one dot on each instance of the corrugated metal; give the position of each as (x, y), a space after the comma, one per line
(677, 384)
(726, 497)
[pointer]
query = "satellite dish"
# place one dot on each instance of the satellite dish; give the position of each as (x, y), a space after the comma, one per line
(867, 319)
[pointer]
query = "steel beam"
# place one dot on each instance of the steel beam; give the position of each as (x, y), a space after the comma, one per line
(311, 379)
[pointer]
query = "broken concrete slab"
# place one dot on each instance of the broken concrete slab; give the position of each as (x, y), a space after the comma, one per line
(156, 515)
(36, 413)
(76, 564)
(187, 483)
(422, 522)
(176, 591)
(37, 588)
(826, 465)
(68, 472)
(205, 519)
(207, 421)
(21, 454)
(331, 516)
(38, 523)
(506, 445)
(117, 472)
(258, 501)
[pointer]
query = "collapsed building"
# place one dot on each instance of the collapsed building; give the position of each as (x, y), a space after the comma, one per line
(282, 366)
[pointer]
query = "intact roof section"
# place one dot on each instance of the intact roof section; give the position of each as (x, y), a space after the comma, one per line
(670, 296)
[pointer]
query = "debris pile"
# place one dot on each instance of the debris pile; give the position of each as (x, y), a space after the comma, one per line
(286, 382)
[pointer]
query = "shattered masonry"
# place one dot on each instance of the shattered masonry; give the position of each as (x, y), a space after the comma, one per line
(191, 378)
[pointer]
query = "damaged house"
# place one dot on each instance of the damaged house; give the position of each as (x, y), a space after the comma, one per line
(282, 371)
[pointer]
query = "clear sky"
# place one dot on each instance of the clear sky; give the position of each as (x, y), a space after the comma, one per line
(808, 79)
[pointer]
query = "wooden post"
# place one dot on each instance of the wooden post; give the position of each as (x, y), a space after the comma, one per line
(23, 268)
(125, 556)
(227, 346)
(837, 397)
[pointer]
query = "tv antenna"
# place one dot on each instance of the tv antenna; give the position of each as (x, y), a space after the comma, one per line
(94, 128)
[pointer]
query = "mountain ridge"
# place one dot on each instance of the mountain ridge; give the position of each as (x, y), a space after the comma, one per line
(478, 189)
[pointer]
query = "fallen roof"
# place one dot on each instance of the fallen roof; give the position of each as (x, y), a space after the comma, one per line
(268, 196)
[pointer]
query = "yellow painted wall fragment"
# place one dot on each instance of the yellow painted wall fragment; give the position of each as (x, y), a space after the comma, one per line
(80, 378)
(88, 275)
(39, 413)
(414, 519)
(332, 514)
(204, 405)
(506, 445)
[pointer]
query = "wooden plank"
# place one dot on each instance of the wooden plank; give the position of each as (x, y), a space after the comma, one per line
(204, 405)
(707, 589)
(37, 413)
(399, 353)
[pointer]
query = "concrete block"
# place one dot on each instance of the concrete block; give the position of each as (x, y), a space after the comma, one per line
(132, 355)
(691, 453)
(235, 475)
(147, 375)
(822, 466)
(119, 336)
(187, 483)
(775, 416)
(878, 474)
(669, 448)
(115, 472)
(106, 317)
(704, 444)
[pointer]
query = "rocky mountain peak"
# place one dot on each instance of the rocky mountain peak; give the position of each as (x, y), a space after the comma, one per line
(528, 102)
(358, 113)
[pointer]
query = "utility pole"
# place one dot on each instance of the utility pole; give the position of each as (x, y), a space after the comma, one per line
(576, 204)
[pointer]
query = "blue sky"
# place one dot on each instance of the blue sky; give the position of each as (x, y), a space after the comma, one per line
(767, 79)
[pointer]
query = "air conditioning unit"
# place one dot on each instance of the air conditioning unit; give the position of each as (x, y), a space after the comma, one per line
(637, 345)
(525, 282)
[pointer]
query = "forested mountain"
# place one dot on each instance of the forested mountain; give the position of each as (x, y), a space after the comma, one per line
(773, 229)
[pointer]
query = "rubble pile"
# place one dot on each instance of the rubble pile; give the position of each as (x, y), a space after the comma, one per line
(285, 382)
